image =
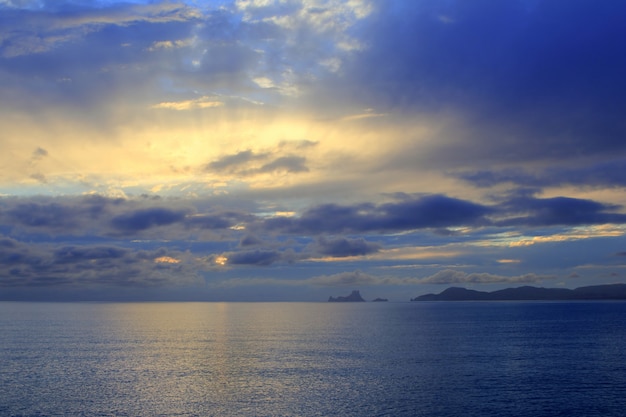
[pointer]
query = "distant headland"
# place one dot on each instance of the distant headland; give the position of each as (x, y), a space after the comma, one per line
(594, 292)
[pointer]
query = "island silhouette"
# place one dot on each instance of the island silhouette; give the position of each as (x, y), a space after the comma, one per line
(594, 292)
(355, 296)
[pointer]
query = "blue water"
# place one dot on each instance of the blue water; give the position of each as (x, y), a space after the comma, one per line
(313, 359)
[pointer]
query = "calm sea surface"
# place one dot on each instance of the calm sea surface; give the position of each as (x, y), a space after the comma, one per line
(313, 359)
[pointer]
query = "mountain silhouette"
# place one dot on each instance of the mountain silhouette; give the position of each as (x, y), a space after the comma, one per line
(594, 292)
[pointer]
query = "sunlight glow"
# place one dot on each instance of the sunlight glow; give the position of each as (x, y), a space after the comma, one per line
(167, 260)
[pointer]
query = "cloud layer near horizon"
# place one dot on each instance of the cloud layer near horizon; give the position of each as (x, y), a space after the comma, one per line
(273, 143)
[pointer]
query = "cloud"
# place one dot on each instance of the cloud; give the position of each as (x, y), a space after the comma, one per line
(358, 278)
(166, 219)
(291, 164)
(51, 215)
(38, 176)
(249, 163)
(118, 64)
(99, 216)
(450, 276)
(87, 266)
(219, 220)
(431, 211)
(39, 153)
(343, 279)
(570, 234)
(300, 28)
(357, 118)
(198, 103)
(235, 161)
(73, 254)
(266, 253)
(142, 219)
(40, 30)
(559, 211)
(354, 278)
(254, 257)
(611, 173)
(298, 145)
(341, 247)
(250, 240)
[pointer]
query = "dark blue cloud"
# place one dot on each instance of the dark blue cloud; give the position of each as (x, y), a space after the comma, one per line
(35, 264)
(13, 254)
(98, 216)
(487, 178)
(143, 219)
(610, 173)
(211, 221)
(433, 211)
(327, 218)
(7, 243)
(49, 216)
(218, 218)
(74, 254)
(53, 215)
(530, 211)
(341, 247)
(250, 240)
(438, 212)
(255, 257)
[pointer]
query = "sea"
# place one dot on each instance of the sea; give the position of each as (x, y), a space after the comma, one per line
(313, 359)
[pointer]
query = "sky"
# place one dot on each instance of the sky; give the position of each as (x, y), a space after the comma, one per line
(292, 150)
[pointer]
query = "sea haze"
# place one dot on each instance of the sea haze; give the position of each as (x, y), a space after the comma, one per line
(313, 359)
